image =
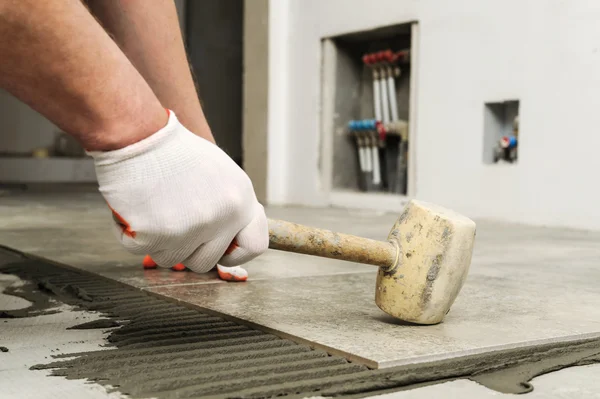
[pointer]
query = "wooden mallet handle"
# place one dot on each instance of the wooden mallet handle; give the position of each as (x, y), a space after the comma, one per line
(292, 237)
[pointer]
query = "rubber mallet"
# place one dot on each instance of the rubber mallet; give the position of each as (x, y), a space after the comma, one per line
(422, 266)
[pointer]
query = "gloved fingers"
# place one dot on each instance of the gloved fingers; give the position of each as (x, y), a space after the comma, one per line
(250, 242)
(235, 273)
(168, 258)
(205, 257)
(148, 262)
(126, 240)
(125, 234)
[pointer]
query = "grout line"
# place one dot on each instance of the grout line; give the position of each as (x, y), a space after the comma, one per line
(252, 280)
(180, 284)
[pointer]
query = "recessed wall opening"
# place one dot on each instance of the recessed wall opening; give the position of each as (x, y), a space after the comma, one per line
(366, 110)
(501, 132)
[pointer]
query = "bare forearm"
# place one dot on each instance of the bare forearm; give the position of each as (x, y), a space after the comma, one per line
(57, 59)
(148, 33)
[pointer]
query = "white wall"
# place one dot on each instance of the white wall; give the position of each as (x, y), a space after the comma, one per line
(546, 53)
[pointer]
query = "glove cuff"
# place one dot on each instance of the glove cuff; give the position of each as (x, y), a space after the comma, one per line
(103, 158)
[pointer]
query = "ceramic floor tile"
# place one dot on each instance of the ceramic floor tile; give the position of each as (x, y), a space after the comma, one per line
(74, 229)
(526, 284)
(339, 313)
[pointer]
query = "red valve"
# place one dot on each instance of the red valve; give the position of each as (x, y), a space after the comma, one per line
(388, 55)
(402, 55)
(381, 130)
(385, 56)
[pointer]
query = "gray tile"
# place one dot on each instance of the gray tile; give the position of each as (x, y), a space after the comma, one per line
(338, 313)
(94, 249)
(526, 284)
(74, 229)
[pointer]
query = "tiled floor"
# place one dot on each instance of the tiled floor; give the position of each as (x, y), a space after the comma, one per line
(74, 229)
(34, 340)
(526, 284)
(338, 313)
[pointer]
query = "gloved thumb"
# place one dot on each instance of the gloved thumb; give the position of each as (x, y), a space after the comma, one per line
(250, 242)
(206, 257)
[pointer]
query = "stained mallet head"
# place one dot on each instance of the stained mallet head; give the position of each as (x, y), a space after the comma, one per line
(423, 265)
(435, 248)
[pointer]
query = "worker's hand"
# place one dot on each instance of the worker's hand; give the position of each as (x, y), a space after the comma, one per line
(180, 199)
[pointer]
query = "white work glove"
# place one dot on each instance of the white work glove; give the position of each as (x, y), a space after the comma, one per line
(180, 199)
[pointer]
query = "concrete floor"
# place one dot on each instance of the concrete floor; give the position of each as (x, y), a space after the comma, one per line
(526, 285)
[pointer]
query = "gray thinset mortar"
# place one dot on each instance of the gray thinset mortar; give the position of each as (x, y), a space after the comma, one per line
(166, 350)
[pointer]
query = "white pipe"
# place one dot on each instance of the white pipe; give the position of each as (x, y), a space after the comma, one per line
(368, 160)
(376, 95)
(361, 154)
(392, 91)
(384, 100)
(376, 168)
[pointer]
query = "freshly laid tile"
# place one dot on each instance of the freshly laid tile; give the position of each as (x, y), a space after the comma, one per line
(339, 313)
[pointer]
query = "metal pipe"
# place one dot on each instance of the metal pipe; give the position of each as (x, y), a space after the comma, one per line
(392, 93)
(375, 157)
(376, 95)
(384, 96)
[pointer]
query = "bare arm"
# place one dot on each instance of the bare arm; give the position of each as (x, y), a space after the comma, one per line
(59, 60)
(148, 33)
(174, 196)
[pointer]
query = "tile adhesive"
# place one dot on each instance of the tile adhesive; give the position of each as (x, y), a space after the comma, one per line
(164, 349)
